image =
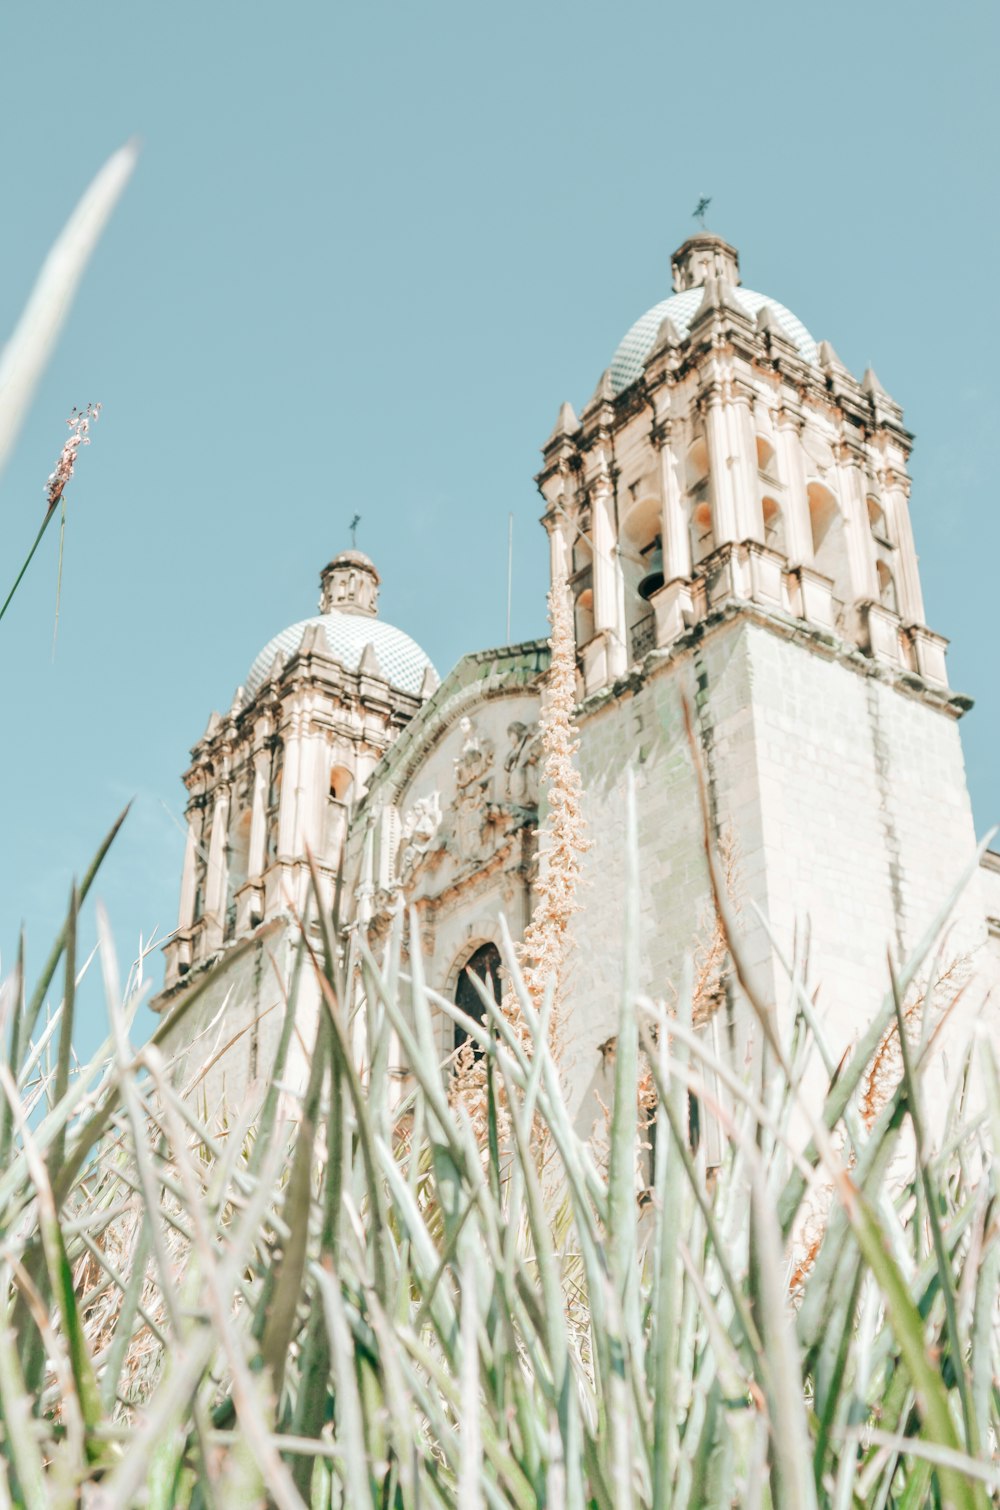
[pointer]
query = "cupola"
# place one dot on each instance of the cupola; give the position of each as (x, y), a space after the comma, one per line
(349, 584)
(702, 257)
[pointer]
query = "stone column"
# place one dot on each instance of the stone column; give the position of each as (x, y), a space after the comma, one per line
(860, 543)
(675, 534)
(189, 876)
(257, 857)
(724, 526)
(560, 550)
(895, 500)
(304, 831)
(798, 530)
(288, 804)
(609, 591)
(743, 443)
(215, 878)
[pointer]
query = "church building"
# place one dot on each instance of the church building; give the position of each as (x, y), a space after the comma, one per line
(731, 512)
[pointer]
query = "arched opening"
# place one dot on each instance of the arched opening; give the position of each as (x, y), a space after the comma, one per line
(584, 613)
(877, 520)
(774, 525)
(583, 555)
(887, 595)
(830, 545)
(702, 532)
(341, 781)
(696, 465)
(766, 459)
(484, 963)
(642, 564)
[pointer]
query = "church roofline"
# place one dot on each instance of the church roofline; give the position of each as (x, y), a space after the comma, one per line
(477, 676)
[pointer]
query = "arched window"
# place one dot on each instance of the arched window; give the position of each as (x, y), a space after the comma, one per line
(484, 963)
(877, 520)
(774, 524)
(702, 533)
(887, 595)
(341, 781)
(585, 616)
(766, 462)
(830, 545)
(696, 465)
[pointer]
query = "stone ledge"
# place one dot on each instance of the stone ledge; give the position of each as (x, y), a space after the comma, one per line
(823, 642)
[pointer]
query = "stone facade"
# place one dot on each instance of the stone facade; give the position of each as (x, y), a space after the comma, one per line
(731, 511)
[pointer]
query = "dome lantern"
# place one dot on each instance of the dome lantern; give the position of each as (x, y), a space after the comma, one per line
(349, 584)
(702, 257)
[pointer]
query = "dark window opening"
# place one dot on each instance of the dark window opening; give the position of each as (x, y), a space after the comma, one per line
(485, 964)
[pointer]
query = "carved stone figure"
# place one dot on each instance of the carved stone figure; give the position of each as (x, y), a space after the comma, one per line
(521, 764)
(420, 827)
(473, 767)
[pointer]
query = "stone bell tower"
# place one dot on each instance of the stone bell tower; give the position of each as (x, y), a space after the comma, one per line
(727, 456)
(274, 781)
(732, 512)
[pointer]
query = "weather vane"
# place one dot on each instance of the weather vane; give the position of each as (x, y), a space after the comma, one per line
(354, 531)
(699, 211)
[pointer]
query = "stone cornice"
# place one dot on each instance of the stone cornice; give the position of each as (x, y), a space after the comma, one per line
(830, 646)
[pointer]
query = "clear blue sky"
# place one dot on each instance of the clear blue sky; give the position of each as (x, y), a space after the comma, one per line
(368, 251)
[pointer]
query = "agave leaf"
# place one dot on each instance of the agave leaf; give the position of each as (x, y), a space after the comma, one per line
(20, 1443)
(349, 1418)
(668, 1189)
(957, 1348)
(286, 1296)
(24, 358)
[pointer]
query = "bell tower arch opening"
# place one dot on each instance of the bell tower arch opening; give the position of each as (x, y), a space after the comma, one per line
(484, 962)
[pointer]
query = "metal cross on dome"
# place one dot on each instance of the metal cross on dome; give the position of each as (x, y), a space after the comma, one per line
(354, 531)
(700, 208)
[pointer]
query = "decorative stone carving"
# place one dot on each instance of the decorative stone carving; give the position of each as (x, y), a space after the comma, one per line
(521, 764)
(473, 783)
(421, 823)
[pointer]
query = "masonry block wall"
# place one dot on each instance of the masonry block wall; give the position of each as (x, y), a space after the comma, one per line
(843, 796)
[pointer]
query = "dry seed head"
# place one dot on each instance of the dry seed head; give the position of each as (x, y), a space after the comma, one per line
(79, 424)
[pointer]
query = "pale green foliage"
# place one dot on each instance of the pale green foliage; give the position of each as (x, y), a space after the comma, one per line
(361, 1305)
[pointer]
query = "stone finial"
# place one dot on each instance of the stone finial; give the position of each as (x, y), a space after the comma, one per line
(828, 358)
(432, 681)
(702, 257)
(566, 424)
(368, 664)
(718, 295)
(313, 639)
(349, 584)
(604, 393)
(769, 325)
(668, 337)
(872, 386)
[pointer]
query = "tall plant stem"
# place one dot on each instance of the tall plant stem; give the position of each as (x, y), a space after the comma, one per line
(62, 542)
(27, 563)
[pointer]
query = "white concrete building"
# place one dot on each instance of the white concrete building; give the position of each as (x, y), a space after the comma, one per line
(732, 511)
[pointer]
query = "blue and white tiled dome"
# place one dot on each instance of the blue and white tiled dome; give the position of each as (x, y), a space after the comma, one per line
(401, 660)
(627, 363)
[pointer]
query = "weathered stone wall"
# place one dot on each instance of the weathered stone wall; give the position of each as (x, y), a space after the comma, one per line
(845, 801)
(227, 1040)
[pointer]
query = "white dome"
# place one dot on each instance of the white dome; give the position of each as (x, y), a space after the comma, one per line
(400, 659)
(628, 360)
